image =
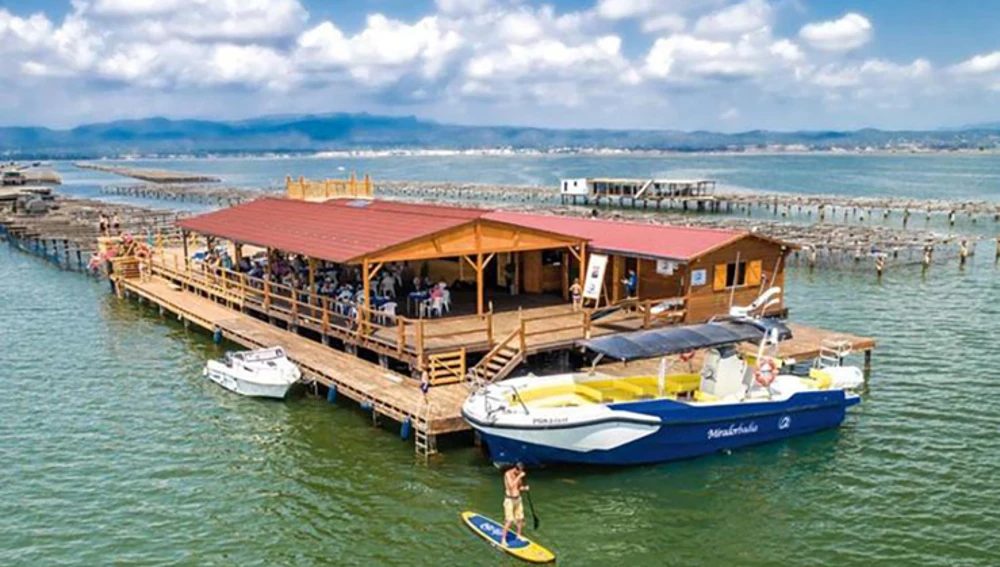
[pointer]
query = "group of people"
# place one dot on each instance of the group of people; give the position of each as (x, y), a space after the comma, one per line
(109, 226)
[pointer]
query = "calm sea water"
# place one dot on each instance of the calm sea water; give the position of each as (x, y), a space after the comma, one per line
(920, 176)
(115, 451)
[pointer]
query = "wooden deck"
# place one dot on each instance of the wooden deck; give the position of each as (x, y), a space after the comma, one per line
(391, 394)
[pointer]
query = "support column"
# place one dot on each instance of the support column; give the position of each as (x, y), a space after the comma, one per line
(565, 275)
(187, 257)
(365, 272)
(479, 283)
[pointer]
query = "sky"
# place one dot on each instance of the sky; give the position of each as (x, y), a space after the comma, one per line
(719, 65)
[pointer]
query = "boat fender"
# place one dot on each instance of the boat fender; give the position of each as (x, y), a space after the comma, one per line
(217, 335)
(766, 372)
(404, 430)
(331, 394)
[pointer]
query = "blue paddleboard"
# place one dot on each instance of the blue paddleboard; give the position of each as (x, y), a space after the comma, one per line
(520, 547)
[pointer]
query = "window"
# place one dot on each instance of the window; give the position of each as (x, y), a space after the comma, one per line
(728, 276)
(736, 274)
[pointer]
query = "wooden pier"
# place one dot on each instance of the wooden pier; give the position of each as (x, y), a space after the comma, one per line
(385, 392)
(151, 175)
(635, 192)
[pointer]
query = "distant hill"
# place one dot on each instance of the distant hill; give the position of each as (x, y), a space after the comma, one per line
(312, 133)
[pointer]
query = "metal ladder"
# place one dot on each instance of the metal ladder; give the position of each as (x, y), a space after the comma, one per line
(425, 445)
(832, 352)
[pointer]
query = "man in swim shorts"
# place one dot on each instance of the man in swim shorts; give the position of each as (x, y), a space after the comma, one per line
(513, 509)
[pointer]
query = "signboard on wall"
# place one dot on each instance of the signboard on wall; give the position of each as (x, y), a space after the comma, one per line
(665, 267)
(699, 277)
(595, 276)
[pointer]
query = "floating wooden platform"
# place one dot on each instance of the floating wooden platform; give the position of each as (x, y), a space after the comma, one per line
(389, 393)
(153, 175)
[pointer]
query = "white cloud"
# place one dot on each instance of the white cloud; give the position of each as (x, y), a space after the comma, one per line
(622, 9)
(462, 6)
(664, 22)
(870, 73)
(979, 64)
(736, 19)
(787, 50)
(849, 32)
(226, 20)
(382, 52)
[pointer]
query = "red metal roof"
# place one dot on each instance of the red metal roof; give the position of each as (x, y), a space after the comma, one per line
(344, 230)
(420, 209)
(338, 233)
(650, 240)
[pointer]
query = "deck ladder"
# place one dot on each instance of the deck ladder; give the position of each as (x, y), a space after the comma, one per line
(425, 444)
(832, 352)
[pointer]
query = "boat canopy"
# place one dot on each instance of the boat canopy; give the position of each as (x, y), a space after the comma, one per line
(673, 340)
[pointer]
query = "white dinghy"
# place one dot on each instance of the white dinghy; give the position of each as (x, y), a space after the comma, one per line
(262, 373)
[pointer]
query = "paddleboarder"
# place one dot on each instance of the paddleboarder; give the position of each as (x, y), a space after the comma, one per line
(513, 508)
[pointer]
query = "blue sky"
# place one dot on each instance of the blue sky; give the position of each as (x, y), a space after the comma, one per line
(675, 64)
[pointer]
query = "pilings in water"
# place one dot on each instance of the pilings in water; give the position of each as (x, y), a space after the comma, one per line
(186, 193)
(152, 175)
(66, 231)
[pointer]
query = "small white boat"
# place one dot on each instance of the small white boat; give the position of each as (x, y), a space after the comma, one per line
(262, 373)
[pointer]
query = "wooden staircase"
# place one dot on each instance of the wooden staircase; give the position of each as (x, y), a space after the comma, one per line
(499, 362)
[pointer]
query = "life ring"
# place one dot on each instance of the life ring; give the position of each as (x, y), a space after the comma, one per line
(766, 372)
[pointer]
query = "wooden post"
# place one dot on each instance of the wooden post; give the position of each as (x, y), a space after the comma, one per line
(489, 326)
(583, 263)
(616, 276)
(565, 275)
(479, 283)
(312, 275)
(420, 344)
(868, 363)
(365, 271)
(638, 277)
(184, 238)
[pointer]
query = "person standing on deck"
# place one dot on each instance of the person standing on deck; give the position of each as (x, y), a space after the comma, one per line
(631, 283)
(513, 508)
(576, 290)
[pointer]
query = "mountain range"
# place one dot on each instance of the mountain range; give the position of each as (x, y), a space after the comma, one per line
(312, 133)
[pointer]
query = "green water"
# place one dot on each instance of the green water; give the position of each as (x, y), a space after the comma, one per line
(115, 451)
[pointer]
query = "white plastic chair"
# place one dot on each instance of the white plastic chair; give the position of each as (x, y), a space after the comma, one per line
(388, 287)
(446, 300)
(388, 313)
(429, 306)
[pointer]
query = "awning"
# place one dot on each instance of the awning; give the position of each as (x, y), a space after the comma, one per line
(673, 340)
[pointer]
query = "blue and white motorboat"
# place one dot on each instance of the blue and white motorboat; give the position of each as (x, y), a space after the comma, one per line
(734, 401)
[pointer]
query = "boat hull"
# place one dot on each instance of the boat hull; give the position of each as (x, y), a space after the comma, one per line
(246, 387)
(684, 431)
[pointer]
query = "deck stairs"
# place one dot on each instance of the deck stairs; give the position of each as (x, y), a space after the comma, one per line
(499, 362)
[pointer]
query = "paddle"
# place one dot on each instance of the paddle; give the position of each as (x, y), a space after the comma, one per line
(531, 506)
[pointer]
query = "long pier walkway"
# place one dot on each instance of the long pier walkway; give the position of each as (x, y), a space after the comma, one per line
(388, 393)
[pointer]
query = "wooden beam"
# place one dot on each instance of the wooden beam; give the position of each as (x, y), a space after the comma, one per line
(376, 269)
(486, 262)
(470, 261)
(565, 275)
(583, 262)
(616, 276)
(187, 257)
(366, 278)
(479, 283)
(312, 275)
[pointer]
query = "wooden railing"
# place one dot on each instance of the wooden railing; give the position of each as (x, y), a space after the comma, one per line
(370, 327)
(446, 367)
(304, 189)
